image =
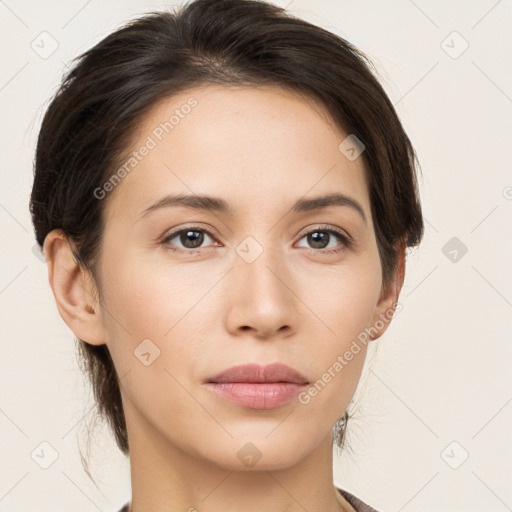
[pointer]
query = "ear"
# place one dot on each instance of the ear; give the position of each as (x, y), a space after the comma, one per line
(74, 290)
(389, 298)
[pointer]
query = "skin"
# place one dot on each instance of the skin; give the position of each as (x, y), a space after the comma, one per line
(260, 149)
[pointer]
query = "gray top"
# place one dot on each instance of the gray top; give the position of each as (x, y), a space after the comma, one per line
(359, 505)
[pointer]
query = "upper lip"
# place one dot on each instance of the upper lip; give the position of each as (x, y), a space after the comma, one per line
(275, 372)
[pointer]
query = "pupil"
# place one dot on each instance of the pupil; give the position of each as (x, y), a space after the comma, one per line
(195, 237)
(318, 239)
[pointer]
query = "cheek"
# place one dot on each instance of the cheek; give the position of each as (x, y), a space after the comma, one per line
(149, 299)
(144, 295)
(345, 304)
(344, 298)
(148, 314)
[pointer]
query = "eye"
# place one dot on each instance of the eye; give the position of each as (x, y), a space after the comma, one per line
(320, 240)
(191, 239)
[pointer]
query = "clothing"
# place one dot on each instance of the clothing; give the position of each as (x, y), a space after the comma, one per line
(359, 505)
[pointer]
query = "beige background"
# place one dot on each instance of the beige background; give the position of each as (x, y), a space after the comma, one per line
(439, 388)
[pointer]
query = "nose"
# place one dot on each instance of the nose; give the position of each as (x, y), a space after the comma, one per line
(261, 298)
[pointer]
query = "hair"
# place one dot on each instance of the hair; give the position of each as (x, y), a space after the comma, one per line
(92, 117)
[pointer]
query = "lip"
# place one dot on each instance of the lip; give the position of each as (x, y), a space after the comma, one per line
(258, 387)
(276, 372)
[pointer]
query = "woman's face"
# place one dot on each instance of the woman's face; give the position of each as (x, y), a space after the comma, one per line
(247, 285)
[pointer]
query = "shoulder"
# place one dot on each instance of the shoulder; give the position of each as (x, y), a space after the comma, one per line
(359, 505)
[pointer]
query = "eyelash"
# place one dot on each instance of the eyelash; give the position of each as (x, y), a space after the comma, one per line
(346, 241)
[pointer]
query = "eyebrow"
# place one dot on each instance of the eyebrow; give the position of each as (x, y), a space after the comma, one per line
(219, 205)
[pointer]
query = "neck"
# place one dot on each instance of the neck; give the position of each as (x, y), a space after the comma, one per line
(165, 477)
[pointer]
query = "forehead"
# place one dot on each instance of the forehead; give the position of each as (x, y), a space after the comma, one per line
(256, 147)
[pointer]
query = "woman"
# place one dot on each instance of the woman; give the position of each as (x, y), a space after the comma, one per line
(224, 196)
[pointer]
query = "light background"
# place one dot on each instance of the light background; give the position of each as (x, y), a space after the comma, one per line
(442, 373)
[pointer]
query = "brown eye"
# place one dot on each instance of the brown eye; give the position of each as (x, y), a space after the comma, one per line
(324, 240)
(186, 240)
(194, 238)
(318, 239)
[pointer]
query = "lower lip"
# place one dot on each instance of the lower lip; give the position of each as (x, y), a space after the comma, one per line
(263, 395)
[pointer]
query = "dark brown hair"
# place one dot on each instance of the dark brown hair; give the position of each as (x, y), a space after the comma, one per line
(87, 127)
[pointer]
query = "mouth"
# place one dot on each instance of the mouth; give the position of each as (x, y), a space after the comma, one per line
(258, 387)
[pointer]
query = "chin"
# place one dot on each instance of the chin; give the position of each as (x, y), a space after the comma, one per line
(258, 452)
